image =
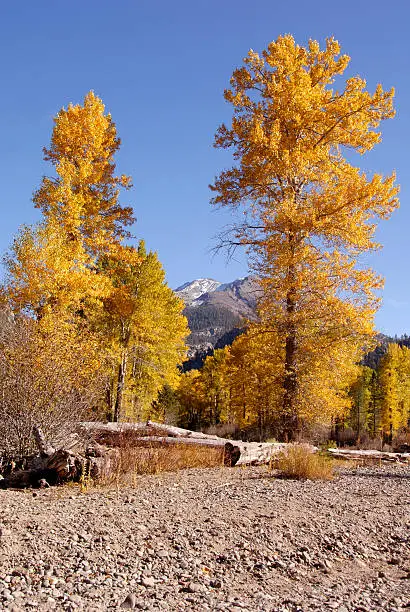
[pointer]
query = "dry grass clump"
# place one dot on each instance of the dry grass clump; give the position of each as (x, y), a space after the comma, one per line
(132, 461)
(300, 462)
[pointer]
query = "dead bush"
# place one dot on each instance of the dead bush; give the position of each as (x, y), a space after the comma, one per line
(401, 442)
(299, 461)
(47, 378)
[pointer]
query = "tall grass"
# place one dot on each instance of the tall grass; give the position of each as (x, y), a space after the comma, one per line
(132, 461)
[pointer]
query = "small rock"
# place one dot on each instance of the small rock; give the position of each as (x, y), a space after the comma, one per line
(148, 581)
(129, 602)
(4, 532)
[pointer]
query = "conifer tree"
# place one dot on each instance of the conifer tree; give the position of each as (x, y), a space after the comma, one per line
(306, 213)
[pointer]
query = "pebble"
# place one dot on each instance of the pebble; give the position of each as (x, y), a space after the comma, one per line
(129, 602)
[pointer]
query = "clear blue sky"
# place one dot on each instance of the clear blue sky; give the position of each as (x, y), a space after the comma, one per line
(161, 67)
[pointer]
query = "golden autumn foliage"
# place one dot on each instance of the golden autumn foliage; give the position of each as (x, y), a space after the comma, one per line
(381, 396)
(306, 214)
(394, 381)
(83, 198)
(142, 318)
(74, 272)
(53, 266)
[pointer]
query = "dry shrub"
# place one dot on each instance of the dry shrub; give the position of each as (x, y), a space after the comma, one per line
(156, 458)
(300, 462)
(47, 378)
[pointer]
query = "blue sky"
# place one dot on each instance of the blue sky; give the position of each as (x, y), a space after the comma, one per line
(161, 68)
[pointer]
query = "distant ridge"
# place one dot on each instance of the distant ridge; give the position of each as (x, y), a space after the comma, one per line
(216, 313)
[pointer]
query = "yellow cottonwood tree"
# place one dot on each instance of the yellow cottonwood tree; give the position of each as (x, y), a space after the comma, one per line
(389, 383)
(403, 373)
(394, 377)
(53, 266)
(143, 319)
(192, 398)
(254, 375)
(214, 377)
(83, 198)
(306, 214)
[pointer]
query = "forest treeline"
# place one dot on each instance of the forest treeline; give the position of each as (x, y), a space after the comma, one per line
(92, 330)
(236, 387)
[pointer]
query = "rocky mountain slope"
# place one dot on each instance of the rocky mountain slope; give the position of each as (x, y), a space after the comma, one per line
(217, 312)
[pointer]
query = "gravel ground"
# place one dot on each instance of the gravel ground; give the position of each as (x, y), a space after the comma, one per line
(217, 539)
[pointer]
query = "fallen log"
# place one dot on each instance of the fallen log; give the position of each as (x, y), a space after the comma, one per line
(236, 452)
(54, 466)
(148, 428)
(98, 449)
(255, 453)
(357, 454)
(179, 432)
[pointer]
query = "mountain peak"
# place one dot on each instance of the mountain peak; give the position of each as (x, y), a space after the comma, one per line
(193, 290)
(216, 313)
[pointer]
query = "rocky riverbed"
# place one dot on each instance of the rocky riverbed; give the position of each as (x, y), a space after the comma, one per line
(231, 539)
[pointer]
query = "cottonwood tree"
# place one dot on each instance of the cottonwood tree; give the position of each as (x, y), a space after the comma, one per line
(361, 394)
(75, 269)
(305, 213)
(394, 380)
(52, 266)
(142, 318)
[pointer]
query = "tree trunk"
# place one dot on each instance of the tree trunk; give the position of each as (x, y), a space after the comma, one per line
(369, 454)
(122, 370)
(53, 466)
(236, 452)
(290, 416)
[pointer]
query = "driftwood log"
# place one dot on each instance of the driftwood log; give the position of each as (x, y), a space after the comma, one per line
(53, 466)
(151, 434)
(94, 451)
(343, 453)
(95, 448)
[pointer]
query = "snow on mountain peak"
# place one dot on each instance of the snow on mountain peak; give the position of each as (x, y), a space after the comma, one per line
(193, 290)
